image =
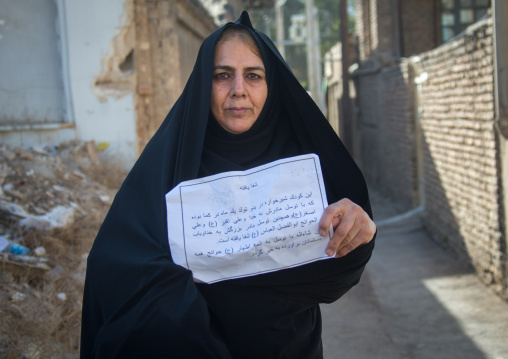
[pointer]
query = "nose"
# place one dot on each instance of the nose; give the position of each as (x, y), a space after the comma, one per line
(238, 88)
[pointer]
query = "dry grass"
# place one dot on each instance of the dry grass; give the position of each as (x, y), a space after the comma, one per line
(41, 315)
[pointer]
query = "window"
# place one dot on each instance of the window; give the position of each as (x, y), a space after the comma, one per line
(456, 15)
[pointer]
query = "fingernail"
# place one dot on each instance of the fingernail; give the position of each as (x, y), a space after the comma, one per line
(330, 253)
(322, 233)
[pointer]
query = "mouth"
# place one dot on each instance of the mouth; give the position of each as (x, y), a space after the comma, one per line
(238, 111)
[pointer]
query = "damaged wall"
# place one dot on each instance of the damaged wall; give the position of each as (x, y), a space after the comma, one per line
(143, 67)
(168, 36)
(118, 67)
(117, 72)
(97, 40)
(151, 56)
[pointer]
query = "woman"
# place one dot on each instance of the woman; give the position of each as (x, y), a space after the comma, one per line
(241, 108)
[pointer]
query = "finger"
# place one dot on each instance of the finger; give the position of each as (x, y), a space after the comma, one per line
(352, 234)
(351, 246)
(355, 243)
(363, 226)
(364, 236)
(333, 215)
(344, 232)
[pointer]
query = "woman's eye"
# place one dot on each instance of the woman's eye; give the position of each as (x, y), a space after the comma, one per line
(222, 76)
(253, 77)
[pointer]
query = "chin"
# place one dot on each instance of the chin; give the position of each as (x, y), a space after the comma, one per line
(237, 131)
(238, 128)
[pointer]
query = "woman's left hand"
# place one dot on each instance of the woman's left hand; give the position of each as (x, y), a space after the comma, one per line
(352, 227)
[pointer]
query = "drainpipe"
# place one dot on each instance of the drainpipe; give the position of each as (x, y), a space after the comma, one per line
(64, 53)
(280, 26)
(314, 55)
(347, 119)
(396, 29)
(501, 65)
(419, 78)
(500, 14)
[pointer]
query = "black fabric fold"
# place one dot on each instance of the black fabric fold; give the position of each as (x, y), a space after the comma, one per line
(138, 303)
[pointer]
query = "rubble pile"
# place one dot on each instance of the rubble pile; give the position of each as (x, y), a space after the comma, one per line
(52, 202)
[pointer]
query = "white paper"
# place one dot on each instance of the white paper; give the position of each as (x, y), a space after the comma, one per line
(244, 223)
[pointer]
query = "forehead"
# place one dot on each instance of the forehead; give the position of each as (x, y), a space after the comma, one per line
(236, 52)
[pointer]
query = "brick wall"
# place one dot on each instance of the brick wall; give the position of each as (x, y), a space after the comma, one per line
(363, 28)
(397, 136)
(455, 138)
(461, 173)
(383, 23)
(418, 22)
(374, 24)
(367, 125)
(168, 36)
(378, 22)
(386, 125)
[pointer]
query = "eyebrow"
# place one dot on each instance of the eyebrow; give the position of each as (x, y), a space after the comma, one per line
(229, 68)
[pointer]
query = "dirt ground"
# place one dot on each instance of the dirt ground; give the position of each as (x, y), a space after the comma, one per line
(52, 202)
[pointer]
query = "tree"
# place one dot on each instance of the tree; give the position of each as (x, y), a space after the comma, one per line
(329, 22)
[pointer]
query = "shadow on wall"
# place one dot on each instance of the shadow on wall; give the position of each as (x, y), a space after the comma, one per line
(461, 153)
(439, 218)
(454, 214)
(386, 130)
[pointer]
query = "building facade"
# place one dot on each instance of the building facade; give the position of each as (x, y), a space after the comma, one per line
(107, 71)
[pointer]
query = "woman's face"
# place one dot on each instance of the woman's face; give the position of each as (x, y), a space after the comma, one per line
(239, 87)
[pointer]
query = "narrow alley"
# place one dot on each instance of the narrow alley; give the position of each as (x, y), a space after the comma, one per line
(416, 300)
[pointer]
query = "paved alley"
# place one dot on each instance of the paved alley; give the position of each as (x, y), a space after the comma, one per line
(415, 300)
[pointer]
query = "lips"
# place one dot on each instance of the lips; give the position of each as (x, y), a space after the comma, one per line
(238, 111)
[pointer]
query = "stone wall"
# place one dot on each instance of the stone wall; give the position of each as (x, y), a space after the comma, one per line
(461, 155)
